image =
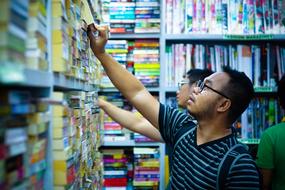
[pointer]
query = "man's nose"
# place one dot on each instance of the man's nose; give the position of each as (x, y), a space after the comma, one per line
(196, 90)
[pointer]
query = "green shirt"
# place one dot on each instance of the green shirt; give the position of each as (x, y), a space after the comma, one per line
(271, 154)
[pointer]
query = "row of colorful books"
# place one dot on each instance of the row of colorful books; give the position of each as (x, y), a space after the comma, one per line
(263, 65)
(113, 131)
(225, 17)
(71, 53)
(141, 57)
(24, 121)
(131, 168)
(23, 38)
(261, 114)
(135, 16)
(76, 140)
(118, 168)
(146, 168)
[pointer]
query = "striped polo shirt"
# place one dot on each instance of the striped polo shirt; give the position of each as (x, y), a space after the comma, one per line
(196, 167)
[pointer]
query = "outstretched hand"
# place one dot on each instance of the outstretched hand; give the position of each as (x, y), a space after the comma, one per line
(98, 43)
(101, 102)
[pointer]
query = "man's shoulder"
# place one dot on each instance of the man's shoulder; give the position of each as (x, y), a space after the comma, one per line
(175, 111)
(275, 130)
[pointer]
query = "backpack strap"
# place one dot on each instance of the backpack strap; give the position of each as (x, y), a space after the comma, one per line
(226, 163)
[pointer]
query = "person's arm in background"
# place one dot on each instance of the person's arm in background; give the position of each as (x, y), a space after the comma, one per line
(266, 178)
(131, 88)
(130, 120)
(265, 160)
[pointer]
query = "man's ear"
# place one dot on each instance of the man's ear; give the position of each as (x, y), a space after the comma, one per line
(224, 105)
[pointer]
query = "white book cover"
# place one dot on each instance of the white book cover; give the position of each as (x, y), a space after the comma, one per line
(245, 60)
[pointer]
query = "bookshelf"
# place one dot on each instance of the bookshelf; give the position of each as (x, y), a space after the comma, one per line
(27, 88)
(27, 77)
(225, 37)
(64, 82)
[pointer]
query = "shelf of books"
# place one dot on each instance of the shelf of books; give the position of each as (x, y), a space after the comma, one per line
(64, 82)
(76, 127)
(25, 116)
(225, 37)
(115, 139)
(224, 17)
(17, 75)
(135, 43)
(245, 36)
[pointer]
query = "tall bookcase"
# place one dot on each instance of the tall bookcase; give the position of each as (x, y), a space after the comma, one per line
(27, 124)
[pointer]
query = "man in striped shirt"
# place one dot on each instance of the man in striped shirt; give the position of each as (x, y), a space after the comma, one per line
(216, 103)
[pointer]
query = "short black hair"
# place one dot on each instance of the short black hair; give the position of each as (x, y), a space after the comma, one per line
(240, 91)
(195, 75)
(281, 91)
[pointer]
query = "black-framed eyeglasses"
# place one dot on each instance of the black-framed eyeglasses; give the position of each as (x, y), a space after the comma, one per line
(181, 83)
(201, 84)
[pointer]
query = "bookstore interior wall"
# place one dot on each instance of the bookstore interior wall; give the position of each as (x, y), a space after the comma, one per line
(53, 135)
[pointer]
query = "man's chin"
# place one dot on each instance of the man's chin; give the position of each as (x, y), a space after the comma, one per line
(190, 110)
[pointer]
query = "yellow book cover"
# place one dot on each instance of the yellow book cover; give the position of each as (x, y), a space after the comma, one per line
(149, 164)
(142, 65)
(60, 24)
(58, 36)
(58, 96)
(58, 187)
(59, 65)
(116, 50)
(5, 11)
(60, 132)
(60, 144)
(62, 154)
(37, 41)
(57, 9)
(60, 122)
(60, 51)
(166, 170)
(59, 111)
(145, 183)
(37, 129)
(86, 13)
(76, 113)
(60, 165)
(36, 7)
(39, 117)
(60, 178)
(60, 57)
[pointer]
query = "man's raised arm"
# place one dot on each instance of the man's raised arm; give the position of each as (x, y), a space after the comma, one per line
(123, 80)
